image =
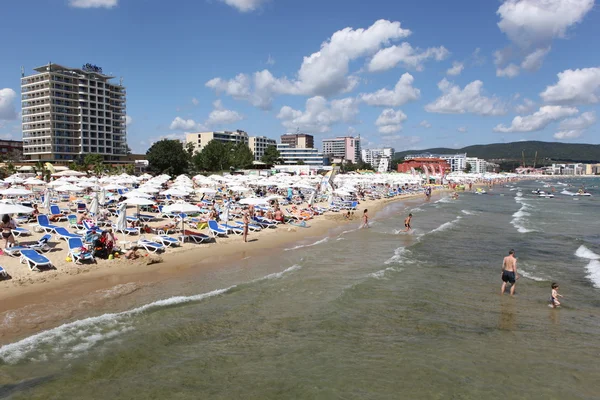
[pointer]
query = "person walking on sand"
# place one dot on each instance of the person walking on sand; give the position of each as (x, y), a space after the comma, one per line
(246, 221)
(407, 222)
(554, 296)
(509, 272)
(365, 223)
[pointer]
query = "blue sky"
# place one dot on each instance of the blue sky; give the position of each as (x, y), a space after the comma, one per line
(410, 74)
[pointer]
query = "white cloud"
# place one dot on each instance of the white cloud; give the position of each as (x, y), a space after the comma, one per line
(128, 120)
(222, 116)
(244, 5)
(462, 129)
(406, 55)
(457, 68)
(425, 124)
(93, 3)
(573, 134)
(579, 86)
(7, 105)
(319, 114)
(399, 142)
(270, 60)
(538, 120)
(170, 136)
(184, 124)
(477, 58)
(403, 93)
(195, 101)
(510, 71)
(390, 121)
(533, 61)
(455, 100)
(526, 107)
(572, 128)
(323, 73)
(530, 22)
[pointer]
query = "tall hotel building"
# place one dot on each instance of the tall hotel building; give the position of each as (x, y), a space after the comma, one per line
(71, 112)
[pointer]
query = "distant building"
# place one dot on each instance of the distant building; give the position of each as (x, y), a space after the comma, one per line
(379, 159)
(298, 140)
(478, 165)
(11, 149)
(71, 112)
(346, 149)
(592, 169)
(258, 144)
(433, 165)
(293, 155)
(201, 139)
(458, 162)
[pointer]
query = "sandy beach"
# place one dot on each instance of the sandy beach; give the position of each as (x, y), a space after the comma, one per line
(70, 281)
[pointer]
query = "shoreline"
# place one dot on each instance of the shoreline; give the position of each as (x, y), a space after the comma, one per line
(71, 283)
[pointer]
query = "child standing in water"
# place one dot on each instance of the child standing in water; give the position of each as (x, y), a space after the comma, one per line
(365, 220)
(554, 296)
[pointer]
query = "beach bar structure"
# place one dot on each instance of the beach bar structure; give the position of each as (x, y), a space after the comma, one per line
(432, 164)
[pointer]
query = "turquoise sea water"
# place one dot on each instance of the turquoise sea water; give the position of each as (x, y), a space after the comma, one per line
(361, 314)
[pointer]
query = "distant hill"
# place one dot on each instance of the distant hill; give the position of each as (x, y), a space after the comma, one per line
(587, 153)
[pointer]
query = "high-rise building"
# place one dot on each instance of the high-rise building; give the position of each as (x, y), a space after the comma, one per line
(342, 149)
(201, 139)
(258, 144)
(298, 140)
(478, 165)
(71, 112)
(379, 159)
(294, 155)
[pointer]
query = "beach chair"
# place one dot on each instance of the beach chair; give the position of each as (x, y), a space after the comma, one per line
(56, 211)
(3, 273)
(81, 208)
(44, 224)
(197, 237)
(232, 228)
(88, 226)
(40, 246)
(127, 231)
(77, 251)
(63, 233)
(34, 260)
(215, 229)
(251, 227)
(17, 232)
(73, 222)
(164, 214)
(264, 222)
(149, 246)
(166, 240)
(145, 217)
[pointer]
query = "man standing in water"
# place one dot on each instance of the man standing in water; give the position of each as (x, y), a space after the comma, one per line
(407, 221)
(509, 272)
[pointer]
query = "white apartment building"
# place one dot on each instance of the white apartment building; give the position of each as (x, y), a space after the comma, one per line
(344, 148)
(478, 165)
(292, 155)
(70, 112)
(458, 162)
(201, 139)
(258, 144)
(378, 159)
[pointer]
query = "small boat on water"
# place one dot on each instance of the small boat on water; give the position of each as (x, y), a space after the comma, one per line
(546, 195)
(480, 191)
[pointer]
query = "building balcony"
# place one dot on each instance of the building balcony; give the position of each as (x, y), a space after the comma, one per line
(36, 111)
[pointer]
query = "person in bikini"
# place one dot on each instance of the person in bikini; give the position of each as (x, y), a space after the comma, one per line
(7, 226)
(407, 222)
(509, 272)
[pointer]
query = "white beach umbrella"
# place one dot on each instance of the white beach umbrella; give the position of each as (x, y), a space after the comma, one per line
(102, 197)
(114, 186)
(34, 182)
(174, 192)
(69, 172)
(138, 193)
(181, 207)
(122, 218)
(94, 204)
(15, 192)
(138, 201)
(148, 189)
(239, 189)
(12, 208)
(254, 201)
(68, 188)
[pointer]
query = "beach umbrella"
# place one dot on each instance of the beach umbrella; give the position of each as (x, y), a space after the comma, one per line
(253, 201)
(94, 204)
(122, 218)
(34, 181)
(15, 192)
(239, 189)
(68, 188)
(46, 203)
(114, 186)
(12, 208)
(138, 201)
(174, 192)
(206, 190)
(181, 207)
(138, 193)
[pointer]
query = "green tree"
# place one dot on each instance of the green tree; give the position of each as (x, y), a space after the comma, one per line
(300, 162)
(271, 155)
(215, 156)
(468, 168)
(241, 156)
(93, 160)
(167, 156)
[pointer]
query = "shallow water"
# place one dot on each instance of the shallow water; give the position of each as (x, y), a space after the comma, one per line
(366, 314)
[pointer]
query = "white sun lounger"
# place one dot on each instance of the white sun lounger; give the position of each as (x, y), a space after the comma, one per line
(151, 247)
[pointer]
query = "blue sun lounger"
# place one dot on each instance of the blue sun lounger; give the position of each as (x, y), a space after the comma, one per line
(215, 229)
(34, 259)
(166, 240)
(40, 246)
(63, 233)
(232, 228)
(150, 246)
(3, 273)
(45, 224)
(76, 253)
(56, 211)
(197, 237)
(20, 231)
(251, 227)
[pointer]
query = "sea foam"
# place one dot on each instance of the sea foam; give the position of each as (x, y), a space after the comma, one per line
(520, 217)
(308, 245)
(593, 266)
(446, 225)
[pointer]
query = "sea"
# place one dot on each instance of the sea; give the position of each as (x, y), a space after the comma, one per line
(372, 313)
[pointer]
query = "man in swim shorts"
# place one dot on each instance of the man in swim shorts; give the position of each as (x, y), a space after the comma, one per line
(509, 272)
(407, 221)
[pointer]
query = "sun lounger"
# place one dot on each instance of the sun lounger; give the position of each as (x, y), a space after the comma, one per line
(89, 226)
(215, 229)
(251, 227)
(56, 212)
(40, 246)
(145, 217)
(3, 273)
(265, 222)
(17, 232)
(63, 233)
(127, 231)
(166, 240)
(44, 224)
(197, 237)
(34, 259)
(232, 228)
(77, 251)
(81, 207)
(73, 222)
(151, 247)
